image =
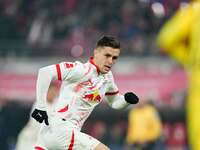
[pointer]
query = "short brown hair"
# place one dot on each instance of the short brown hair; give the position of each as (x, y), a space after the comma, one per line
(108, 41)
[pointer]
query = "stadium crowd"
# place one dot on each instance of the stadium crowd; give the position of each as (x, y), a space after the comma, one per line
(69, 27)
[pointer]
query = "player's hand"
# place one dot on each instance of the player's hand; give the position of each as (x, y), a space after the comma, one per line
(131, 98)
(40, 115)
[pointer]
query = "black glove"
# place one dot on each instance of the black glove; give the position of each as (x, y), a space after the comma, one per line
(131, 98)
(40, 115)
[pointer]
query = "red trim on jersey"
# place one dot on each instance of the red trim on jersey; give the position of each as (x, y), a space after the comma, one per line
(91, 61)
(58, 71)
(112, 93)
(72, 142)
(64, 109)
(39, 148)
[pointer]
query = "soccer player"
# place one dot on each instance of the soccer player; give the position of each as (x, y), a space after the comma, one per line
(84, 85)
(144, 126)
(180, 39)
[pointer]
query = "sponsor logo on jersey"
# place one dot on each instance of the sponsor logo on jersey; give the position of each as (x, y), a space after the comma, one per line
(93, 97)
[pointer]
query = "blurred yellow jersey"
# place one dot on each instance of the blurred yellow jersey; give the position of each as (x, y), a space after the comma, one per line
(180, 35)
(144, 124)
(180, 38)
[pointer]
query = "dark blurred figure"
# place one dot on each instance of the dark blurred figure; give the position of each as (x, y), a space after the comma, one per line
(3, 140)
(116, 135)
(12, 119)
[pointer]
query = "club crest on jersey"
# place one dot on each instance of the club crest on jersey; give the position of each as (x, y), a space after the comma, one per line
(93, 97)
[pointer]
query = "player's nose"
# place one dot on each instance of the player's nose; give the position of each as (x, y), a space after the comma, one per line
(110, 61)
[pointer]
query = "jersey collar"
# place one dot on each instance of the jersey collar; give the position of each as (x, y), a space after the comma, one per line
(91, 61)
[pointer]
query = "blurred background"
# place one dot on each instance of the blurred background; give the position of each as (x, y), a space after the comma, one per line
(37, 33)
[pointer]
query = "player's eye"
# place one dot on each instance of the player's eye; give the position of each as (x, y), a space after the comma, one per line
(107, 55)
(115, 57)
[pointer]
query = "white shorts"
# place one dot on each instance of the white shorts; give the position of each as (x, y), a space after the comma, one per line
(62, 138)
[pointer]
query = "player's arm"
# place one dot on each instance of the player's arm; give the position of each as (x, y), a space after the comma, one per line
(45, 75)
(117, 100)
(62, 71)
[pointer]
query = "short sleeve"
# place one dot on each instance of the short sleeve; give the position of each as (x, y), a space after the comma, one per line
(69, 71)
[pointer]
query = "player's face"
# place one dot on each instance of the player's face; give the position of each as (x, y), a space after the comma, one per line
(105, 58)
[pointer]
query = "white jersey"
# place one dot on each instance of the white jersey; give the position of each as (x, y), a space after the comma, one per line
(83, 87)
